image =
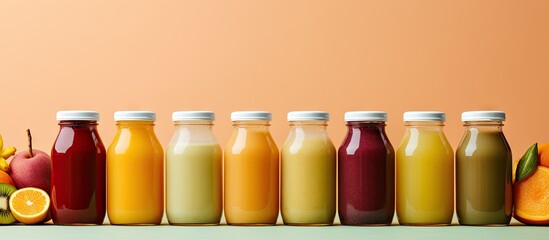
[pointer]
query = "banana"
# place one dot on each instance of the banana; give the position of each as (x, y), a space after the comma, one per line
(5, 154)
(4, 166)
(8, 152)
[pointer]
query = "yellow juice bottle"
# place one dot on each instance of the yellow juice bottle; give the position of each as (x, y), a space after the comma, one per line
(308, 165)
(193, 171)
(251, 171)
(135, 171)
(424, 172)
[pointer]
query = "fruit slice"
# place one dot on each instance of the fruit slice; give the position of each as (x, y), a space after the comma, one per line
(5, 178)
(6, 190)
(543, 153)
(29, 205)
(531, 198)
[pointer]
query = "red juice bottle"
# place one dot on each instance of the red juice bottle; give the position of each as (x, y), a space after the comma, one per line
(78, 170)
(366, 171)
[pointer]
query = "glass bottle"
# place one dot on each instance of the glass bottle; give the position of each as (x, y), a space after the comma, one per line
(78, 170)
(424, 172)
(251, 171)
(193, 171)
(308, 165)
(135, 171)
(484, 171)
(366, 171)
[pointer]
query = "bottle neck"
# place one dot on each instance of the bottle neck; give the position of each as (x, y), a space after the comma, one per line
(202, 126)
(135, 124)
(366, 124)
(309, 128)
(256, 125)
(484, 125)
(424, 124)
(194, 131)
(309, 124)
(78, 124)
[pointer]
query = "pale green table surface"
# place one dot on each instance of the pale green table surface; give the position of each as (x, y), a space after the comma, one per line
(515, 232)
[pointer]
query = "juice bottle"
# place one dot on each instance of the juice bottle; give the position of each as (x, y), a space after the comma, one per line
(424, 172)
(308, 164)
(484, 171)
(135, 171)
(251, 171)
(78, 170)
(366, 171)
(193, 171)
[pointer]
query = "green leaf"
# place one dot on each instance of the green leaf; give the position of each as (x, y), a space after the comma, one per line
(527, 163)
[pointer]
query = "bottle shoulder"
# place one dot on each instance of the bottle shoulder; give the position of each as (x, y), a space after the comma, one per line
(475, 142)
(251, 141)
(415, 141)
(77, 140)
(135, 140)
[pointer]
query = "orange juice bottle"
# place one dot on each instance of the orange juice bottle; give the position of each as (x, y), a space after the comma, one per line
(251, 171)
(424, 171)
(135, 171)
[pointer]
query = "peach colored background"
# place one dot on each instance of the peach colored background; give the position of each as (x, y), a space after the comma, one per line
(273, 55)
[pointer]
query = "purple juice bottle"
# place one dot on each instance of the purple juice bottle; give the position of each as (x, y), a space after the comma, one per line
(366, 171)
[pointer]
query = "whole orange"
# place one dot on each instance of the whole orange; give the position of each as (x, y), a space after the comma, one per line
(5, 178)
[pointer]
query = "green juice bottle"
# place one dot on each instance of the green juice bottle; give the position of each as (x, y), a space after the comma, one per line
(484, 171)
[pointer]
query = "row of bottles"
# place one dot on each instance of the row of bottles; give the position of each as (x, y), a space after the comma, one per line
(249, 194)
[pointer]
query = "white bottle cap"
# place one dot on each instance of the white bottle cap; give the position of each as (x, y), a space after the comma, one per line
(134, 115)
(250, 116)
(308, 115)
(483, 116)
(424, 116)
(357, 116)
(77, 115)
(193, 115)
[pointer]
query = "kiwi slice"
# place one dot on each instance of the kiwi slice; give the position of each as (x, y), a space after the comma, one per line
(5, 192)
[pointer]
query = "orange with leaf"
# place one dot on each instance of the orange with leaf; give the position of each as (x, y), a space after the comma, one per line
(531, 187)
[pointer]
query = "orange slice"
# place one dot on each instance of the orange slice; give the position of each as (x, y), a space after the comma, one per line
(29, 205)
(531, 198)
